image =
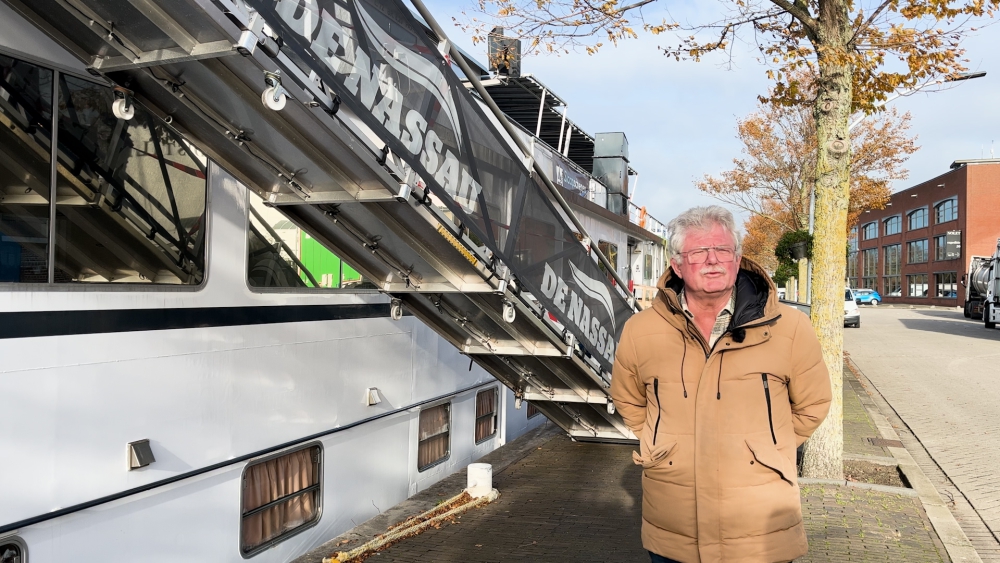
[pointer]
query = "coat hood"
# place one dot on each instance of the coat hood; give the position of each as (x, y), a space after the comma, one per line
(756, 296)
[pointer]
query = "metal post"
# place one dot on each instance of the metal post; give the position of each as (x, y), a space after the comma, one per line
(562, 125)
(456, 56)
(569, 133)
(53, 176)
(541, 110)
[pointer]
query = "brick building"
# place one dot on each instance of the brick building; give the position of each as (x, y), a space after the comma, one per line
(917, 249)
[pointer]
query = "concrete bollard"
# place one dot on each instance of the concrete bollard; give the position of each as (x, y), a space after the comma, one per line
(480, 479)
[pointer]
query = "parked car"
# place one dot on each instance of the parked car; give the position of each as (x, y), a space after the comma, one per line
(869, 296)
(852, 315)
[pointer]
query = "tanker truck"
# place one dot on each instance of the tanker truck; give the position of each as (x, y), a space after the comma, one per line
(986, 281)
(979, 269)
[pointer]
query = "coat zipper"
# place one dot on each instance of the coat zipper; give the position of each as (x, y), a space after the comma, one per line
(659, 409)
(767, 395)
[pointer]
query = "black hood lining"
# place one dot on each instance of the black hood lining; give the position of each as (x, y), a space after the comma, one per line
(752, 293)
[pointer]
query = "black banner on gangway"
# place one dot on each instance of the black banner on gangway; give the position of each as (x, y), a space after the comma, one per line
(379, 60)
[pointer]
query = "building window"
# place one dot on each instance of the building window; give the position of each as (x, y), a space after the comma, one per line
(852, 240)
(946, 211)
(946, 285)
(916, 285)
(917, 218)
(852, 268)
(533, 410)
(940, 247)
(281, 497)
(434, 438)
(869, 267)
(892, 257)
(647, 269)
(891, 286)
(486, 414)
(916, 251)
(892, 226)
(869, 231)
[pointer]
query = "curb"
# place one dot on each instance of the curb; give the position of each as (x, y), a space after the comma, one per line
(854, 484)
(956, 543)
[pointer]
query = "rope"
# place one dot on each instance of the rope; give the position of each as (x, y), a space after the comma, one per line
(418, 525)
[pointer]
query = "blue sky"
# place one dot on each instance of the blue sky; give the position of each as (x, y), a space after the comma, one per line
(680, 117)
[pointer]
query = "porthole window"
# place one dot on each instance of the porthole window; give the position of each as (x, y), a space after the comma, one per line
(281, 497)
(434, 436)
(486, 414)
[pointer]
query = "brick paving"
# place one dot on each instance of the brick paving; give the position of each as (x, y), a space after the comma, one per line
(569, 501)
(938, 373)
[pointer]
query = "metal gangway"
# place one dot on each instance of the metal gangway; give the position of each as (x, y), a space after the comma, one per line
(353, 118)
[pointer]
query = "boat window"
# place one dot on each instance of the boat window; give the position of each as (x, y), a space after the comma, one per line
(533, 410)
(25, 137)
(130, 196)
(280, 254)
(486, 414)
(281, 497)
(12, 550)
(610, 251)
(434, 436)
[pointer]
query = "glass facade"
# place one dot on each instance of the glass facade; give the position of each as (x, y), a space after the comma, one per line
(869, 231)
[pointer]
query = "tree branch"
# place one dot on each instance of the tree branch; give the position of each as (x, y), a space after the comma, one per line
(800, 11)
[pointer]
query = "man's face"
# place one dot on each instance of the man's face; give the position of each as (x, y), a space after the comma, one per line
(712, 277)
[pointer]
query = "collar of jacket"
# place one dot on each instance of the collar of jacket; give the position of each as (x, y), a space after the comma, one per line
(756, 298)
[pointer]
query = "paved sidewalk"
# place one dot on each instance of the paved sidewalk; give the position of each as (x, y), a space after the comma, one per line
(568, 501)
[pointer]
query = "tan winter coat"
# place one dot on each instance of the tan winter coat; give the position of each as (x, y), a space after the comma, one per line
(718, 428)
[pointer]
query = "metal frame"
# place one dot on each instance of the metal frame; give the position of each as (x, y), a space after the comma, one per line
(298, 529)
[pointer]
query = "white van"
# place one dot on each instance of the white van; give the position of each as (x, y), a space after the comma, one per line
(852, 315)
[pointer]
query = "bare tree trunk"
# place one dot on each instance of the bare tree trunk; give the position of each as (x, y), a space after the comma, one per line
(824, 451)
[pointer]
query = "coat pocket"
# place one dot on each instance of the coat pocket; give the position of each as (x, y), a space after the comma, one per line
(655, 455)
(766, 454)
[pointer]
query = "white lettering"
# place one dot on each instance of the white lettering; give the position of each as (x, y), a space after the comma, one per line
(560, 296)
(413, 136)
(549, 281)
(363, 75)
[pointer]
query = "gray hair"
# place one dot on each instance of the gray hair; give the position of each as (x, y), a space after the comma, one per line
(701, 219)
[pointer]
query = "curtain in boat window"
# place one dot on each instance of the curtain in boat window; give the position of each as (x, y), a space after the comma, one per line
(279, 496)
(434, 436)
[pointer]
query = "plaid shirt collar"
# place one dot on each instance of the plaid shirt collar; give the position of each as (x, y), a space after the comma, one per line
(721, 321)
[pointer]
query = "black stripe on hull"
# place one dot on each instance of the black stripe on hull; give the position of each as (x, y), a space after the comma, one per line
(63, 323)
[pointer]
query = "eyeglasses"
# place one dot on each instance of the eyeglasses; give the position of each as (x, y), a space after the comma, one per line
(700, 255)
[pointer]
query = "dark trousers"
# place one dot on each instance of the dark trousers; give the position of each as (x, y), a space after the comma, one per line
(661, 559)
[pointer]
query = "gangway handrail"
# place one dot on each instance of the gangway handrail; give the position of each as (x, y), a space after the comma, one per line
(457, 57)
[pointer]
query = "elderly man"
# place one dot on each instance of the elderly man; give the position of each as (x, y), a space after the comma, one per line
(721, 384)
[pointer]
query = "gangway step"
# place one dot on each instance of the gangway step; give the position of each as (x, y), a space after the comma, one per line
(454, 229)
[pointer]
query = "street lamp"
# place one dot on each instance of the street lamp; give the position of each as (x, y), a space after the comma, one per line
(812, 192)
